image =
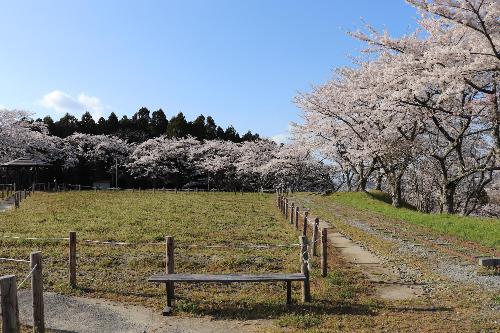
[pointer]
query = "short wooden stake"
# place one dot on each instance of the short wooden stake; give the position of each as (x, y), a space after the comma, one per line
(297, 215)
(169, 269)
(37, 292)
(304, 269)
(324, 252)
(286, 209)
(315, 237)
(292, 212)
(10, 309)
(304, 230)
(72, 259)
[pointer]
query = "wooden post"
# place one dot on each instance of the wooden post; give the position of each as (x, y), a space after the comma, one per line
(297, 215)
(72, 259)
(315, 237)
(286, 209)
(304, 257)
(324, 252)
(304, 230)
(10, 309)
(37, 292)
(288, 292)
(169, 269)
(292, 212)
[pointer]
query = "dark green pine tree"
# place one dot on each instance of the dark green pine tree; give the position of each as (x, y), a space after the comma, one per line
(231, 135)
(210, 129)
(141, 120)
(197, 128)
(159, 123)
(101, 126)
(177, 126)
(112, 124)
(220, 133)
(66, 126)
(248, 136)
(47, 120)
(87, 124)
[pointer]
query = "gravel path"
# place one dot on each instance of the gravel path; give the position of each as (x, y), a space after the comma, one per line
(6, 204)
(454, 268)
(436, 253)
(389, 283)
(77, 314)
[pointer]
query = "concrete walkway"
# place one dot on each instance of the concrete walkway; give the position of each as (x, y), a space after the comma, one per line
(85, 315)
(389, 285)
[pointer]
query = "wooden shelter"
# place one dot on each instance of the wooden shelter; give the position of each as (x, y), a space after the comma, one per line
(24, 171)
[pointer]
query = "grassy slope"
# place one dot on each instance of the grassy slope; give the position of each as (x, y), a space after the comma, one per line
(484, 231)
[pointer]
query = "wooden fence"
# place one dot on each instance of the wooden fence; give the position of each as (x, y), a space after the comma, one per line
(9, 287)
(291, 212)
(9, 300)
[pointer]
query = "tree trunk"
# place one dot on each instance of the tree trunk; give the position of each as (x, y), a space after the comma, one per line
(379, 181)
(362, 184)
(395, 185)
(448, 198)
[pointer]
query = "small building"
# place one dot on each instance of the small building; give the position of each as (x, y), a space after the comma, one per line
(23, 171)
(102, 184)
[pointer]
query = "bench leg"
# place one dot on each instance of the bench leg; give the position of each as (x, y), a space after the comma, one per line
(170, 298)
(288, 292)
(170, 293)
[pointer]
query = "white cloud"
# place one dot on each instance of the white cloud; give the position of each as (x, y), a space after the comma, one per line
(61, 103)
(285, 137)
(281, 138)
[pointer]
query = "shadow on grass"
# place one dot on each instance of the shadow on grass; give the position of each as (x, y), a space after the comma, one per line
(420, 309)
(270, 311)
(386, 198)
(87, 290)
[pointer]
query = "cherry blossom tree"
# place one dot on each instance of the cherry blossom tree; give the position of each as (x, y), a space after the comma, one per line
(19, 137)
(165, 161)
(429, 98)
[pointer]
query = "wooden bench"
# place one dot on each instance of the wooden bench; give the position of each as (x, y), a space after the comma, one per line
(168, 279)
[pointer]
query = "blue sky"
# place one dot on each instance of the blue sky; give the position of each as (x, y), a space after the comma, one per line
(239, 61)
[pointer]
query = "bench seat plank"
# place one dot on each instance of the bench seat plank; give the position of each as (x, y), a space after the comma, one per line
(226, 278)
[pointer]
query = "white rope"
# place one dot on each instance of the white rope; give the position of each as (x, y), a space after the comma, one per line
(14, 260)
(27, 277)
(90, 241)
(34, 238)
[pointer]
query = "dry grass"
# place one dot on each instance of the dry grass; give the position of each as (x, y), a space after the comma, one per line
(120, 272)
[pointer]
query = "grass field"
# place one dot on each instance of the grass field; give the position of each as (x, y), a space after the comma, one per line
(485, 231)
(344, 301)
(120, 272)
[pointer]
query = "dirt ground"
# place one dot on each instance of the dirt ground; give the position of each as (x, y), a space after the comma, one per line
(85, 315)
